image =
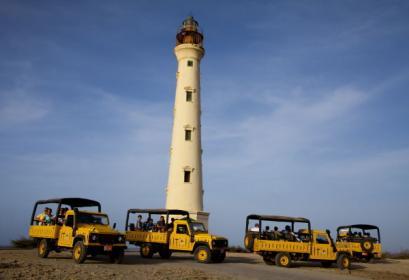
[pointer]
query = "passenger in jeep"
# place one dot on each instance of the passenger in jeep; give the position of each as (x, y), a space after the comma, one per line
(161, 225)
(139, 223)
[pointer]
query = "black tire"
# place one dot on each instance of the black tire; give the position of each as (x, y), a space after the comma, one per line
(326, 264)
(43, 248)
(249, 242)
(79, 253)
(203, 254)
(116, 256)
(344, 261)
(367, 245)
(269, 260)
(283, 260)
(165, 253)
(218, 257)
(146, 251)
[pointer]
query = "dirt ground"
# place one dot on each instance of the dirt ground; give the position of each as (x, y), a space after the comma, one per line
(24, 264)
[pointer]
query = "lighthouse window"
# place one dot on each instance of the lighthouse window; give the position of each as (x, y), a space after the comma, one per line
(188, 96)
(188, 135)
(187, 177)
(190, 63)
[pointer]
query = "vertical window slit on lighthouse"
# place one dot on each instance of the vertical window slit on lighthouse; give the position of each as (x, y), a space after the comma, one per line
(188, 135)
(190, 63)
(188, 96)
(187, 176)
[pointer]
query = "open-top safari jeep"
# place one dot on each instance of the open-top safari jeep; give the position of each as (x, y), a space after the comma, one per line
(284, 247)
(83, 232)
(176, 233)
(364, 241)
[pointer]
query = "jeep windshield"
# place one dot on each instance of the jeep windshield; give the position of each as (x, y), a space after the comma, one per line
(198, 227)
(88, 218)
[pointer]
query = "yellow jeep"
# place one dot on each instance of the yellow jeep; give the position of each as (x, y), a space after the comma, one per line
(176, 233)
(359, 240)
(282, 247)
(83, 232)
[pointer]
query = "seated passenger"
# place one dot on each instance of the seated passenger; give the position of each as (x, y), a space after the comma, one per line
(170, 225)
(288, 234)
(139, 223)
(149, 225)
(267, 233)
(40, 218)
(303, 235)
(161, 225)
(256, 228)
(61, 216)
(276, 233)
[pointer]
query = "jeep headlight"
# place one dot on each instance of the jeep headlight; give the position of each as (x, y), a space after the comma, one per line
(93, 237)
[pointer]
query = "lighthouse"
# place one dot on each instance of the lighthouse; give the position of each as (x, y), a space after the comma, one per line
(185, 187)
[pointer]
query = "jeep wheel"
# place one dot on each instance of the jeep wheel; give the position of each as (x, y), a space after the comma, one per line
(217, 256)
(249, 242)
(283, 259)
(326, 264)
(43, 249)
(79, 253)
(367, 245)
(268, 259)
(116, 256)
(343, 261)
(165, 253)
(202, 254)
(146, 251)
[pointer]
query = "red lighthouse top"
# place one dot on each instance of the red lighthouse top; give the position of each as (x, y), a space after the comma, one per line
(189, 33)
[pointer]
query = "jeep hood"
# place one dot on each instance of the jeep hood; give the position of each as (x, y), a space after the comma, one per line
(101, 229)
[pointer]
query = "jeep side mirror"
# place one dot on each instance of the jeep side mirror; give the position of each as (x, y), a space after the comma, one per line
(114, 225)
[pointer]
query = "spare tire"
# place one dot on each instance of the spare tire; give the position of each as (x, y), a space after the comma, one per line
(367, 245)
(249, 242)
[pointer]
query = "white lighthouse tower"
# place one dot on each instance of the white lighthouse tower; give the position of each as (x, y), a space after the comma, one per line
(185, 188)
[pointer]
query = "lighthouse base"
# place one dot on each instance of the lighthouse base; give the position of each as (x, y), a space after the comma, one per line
(202, 217)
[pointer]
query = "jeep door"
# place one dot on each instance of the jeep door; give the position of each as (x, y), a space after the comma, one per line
(65, 237)
(180, 238)
(321, 247)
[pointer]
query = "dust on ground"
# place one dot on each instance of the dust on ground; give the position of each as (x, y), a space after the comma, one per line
(24, 264)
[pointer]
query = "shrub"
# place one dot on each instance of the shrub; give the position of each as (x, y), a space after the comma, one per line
(23, 243)
(238, 249)
(404, 254)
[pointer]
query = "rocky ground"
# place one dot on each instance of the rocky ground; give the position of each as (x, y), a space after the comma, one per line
(24, 264)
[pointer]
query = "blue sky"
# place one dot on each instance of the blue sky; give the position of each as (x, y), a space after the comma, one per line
(305, 109)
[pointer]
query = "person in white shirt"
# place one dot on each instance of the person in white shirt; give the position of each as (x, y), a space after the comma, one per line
(256, 228)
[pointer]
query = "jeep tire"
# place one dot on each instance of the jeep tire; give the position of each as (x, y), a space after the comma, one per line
(146, 251)
(165, 253)
(283, 259)
(367, 245)
(79, 252)
(43, 248)
(203, 254)
(116, 256)
(343, 261)
(218, 257)
(249, 242)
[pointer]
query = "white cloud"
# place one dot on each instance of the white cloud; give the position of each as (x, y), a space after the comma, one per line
(290, 126)
(18, 107)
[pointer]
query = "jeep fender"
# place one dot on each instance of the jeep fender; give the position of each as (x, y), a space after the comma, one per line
(79, 238)
(197, 244)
